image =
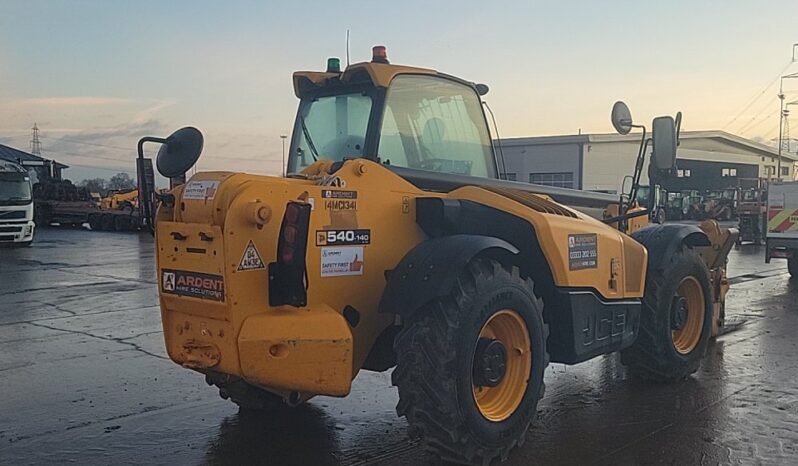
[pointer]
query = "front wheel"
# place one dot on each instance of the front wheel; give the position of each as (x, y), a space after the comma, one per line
(470, 366)
(676, 319)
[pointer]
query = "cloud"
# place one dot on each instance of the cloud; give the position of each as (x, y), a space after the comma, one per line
(75, 101)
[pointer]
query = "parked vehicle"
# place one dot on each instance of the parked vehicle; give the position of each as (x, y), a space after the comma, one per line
(392, 246)
(781, 240)
(752, 214)
(16, 205)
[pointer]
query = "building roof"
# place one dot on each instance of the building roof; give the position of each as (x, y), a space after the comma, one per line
(722, 136)
(16, 156)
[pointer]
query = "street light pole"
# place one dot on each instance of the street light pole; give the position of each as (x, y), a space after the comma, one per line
(283, 137)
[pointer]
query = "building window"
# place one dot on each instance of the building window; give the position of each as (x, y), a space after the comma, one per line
(559, 180)
(729, 172)
(510, 176)
(683, 173)
(785, 171)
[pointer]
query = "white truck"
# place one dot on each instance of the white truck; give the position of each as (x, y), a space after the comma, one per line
(16, 205)
(782, 234)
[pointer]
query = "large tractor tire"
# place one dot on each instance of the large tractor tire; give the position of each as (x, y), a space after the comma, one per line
(470, 365)
(792, 265)
(676, 320)
(246, 396)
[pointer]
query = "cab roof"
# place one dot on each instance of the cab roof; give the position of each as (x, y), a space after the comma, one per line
(377, 74)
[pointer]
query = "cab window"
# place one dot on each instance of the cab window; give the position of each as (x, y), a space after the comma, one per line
(432, 123)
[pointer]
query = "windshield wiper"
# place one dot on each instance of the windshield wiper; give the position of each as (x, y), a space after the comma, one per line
(305, 131)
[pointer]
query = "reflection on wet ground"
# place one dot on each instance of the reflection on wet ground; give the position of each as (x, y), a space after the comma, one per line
(84, 379)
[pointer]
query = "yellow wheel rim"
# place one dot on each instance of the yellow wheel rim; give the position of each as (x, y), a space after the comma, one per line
(499, 402)
(691, 325)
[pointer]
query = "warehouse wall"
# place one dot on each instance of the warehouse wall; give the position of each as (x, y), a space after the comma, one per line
(525, 160)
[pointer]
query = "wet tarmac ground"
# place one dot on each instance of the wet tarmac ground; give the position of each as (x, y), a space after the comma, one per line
(84, 379)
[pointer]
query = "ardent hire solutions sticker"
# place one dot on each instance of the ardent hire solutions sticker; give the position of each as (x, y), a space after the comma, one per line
(251, 259)
(583, 251)
(200, 190)
(337, 262)
(194, 284)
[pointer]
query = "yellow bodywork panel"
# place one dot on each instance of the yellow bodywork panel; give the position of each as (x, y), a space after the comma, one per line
(224, 228)
(298, 349)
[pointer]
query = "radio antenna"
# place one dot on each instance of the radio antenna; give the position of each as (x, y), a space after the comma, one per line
(347, 48)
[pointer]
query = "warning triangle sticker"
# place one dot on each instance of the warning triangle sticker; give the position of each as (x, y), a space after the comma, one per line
(251, 259)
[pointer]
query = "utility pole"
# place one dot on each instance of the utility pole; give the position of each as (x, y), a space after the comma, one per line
(782, 109)
(283, 137)
(35, 144)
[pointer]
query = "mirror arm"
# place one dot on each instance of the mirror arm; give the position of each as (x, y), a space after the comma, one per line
(638, 169)
(145, 198)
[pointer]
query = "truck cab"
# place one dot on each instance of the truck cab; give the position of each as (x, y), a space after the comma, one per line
(16, 205)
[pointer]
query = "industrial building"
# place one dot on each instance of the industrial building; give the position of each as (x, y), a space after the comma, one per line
(41, 167)
(707, 160)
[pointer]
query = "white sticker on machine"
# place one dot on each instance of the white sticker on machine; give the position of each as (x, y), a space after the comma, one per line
(251, 259)
(200, 190)
(337, 262)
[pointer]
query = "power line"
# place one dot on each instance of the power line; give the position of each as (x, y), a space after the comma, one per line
(747, 125)
(759, 95)
(758, 123)
(69, 140)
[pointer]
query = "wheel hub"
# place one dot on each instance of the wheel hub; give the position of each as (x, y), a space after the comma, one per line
(490, 362)
(679, 314)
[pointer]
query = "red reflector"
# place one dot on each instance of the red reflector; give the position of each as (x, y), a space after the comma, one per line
(289, 234)
(288, 255)
(292, 213)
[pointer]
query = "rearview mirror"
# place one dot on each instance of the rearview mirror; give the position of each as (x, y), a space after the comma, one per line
(180, 152)
(664, 143)
(621, 118)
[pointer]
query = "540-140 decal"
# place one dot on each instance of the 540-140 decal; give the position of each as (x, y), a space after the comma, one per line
(343, 237)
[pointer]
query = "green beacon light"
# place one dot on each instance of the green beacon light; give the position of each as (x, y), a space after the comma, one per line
(333, 65)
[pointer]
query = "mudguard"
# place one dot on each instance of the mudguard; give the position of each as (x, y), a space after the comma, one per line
(430, 270)
(663, 240)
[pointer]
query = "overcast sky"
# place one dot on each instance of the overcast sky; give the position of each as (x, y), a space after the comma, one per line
(98, 75)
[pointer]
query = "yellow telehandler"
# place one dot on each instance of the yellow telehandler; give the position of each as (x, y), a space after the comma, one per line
(393, 242)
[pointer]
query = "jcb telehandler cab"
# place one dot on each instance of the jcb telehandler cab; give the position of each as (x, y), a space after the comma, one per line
(392, 243)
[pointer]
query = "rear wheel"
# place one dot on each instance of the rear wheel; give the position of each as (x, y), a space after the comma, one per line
(676, 320)
(792, 264)
(470, 366)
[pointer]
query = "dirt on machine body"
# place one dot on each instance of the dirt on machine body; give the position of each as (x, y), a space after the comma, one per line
(393, 243)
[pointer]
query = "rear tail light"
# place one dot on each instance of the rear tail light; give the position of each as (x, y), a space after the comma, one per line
(288, 276)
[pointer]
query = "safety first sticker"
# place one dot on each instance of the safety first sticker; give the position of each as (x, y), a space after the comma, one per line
(200, 190)
(582, 251)
(194, 284)
(338, 262)
(251, 259)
